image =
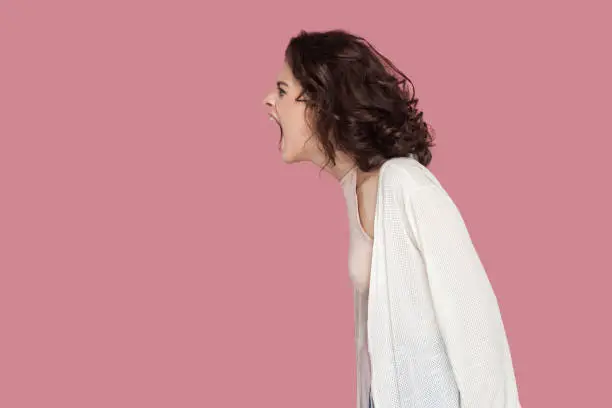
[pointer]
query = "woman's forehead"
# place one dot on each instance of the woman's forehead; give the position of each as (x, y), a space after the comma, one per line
(285, 75)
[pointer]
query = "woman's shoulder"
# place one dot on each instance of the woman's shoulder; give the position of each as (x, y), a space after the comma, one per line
(406, 174)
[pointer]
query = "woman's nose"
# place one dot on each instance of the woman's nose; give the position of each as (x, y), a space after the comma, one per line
(268, 100)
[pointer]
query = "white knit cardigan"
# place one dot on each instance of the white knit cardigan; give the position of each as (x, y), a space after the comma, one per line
(435, 335)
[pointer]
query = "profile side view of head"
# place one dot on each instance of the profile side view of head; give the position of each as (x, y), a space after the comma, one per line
(337, 95)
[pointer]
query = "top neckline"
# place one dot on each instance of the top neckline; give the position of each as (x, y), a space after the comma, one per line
(347, 175)
(349, 184)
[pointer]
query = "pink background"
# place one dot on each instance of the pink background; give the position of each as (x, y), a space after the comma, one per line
(156, 252)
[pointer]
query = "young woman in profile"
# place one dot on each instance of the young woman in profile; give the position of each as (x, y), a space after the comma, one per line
(428, 328)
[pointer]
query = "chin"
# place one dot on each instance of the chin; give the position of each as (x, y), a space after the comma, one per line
(289, 157)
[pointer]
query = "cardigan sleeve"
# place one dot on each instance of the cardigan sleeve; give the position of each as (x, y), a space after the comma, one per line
(465, 306)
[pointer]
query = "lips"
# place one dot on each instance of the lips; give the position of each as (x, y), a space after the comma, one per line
(275, 119)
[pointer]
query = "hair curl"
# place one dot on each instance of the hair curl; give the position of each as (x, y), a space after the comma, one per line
(356, 100)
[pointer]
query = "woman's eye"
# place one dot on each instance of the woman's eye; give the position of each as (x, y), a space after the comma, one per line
(281, 92)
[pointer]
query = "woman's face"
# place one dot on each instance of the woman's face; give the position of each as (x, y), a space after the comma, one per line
(297, 141)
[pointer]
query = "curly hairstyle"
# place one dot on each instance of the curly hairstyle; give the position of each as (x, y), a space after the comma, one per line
(356, 100)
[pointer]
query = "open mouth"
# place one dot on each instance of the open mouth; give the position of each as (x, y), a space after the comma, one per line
(280, 140)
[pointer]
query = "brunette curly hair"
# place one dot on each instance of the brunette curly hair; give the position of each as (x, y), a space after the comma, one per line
(357, 100)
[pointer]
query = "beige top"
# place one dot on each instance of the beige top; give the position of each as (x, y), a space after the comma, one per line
(359, 261)
(360, 243)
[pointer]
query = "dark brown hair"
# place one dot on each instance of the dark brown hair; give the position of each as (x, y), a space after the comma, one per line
(356, 99)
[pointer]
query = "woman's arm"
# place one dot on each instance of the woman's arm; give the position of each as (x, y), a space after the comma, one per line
(465, 305)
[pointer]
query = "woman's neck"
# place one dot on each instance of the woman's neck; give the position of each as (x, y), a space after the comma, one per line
(343, 166)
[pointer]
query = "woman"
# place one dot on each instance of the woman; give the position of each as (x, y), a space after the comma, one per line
(428, 329)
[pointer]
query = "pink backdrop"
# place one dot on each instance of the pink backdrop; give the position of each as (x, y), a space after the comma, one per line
(156, 252)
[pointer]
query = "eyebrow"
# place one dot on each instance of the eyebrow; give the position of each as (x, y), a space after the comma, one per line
(279, 83)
